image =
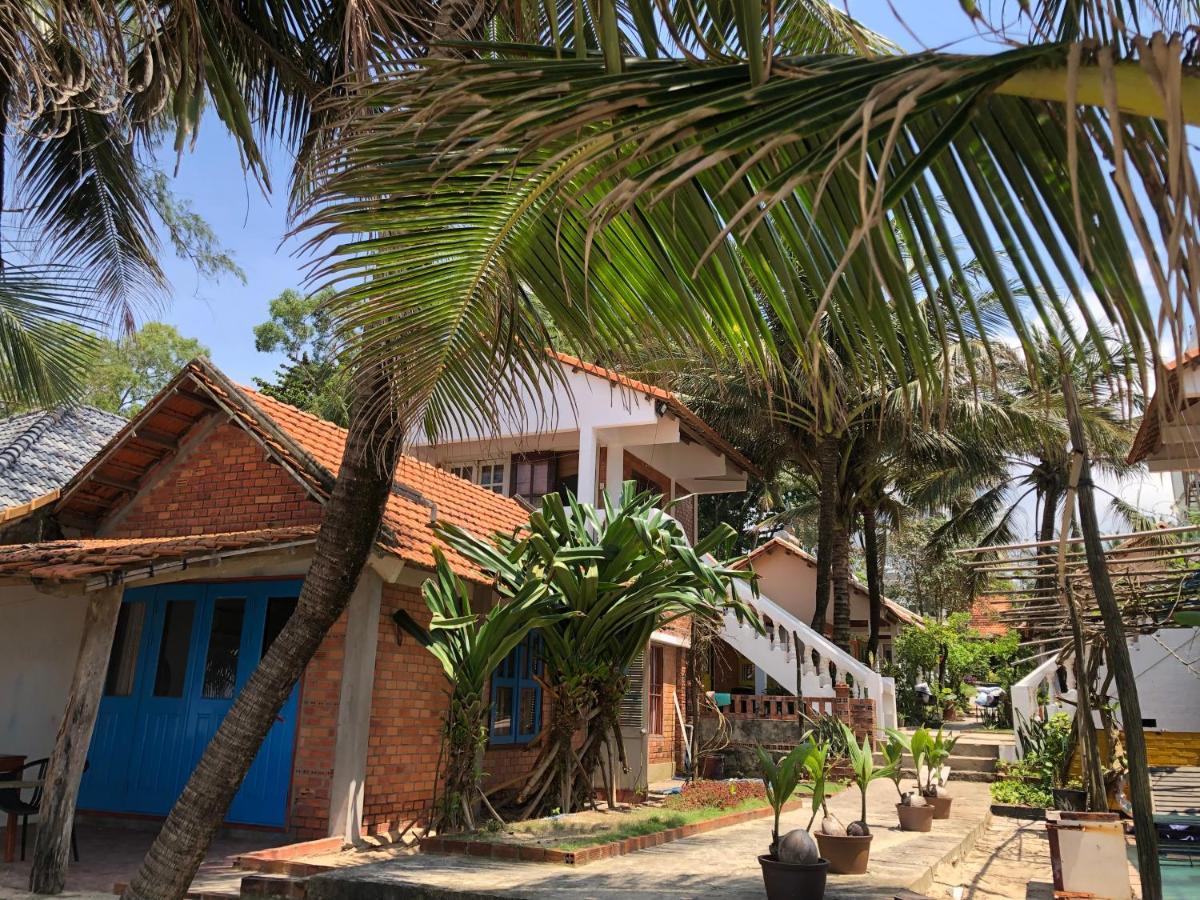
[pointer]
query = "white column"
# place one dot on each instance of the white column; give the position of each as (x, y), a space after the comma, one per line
(354, 709)
(760, 681)
(587, 464)
(614, 471)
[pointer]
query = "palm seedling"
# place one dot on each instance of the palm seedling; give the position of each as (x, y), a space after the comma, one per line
(862, 761)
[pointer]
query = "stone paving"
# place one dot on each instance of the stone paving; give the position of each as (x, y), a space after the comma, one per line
(719, 864)
(1011, 861)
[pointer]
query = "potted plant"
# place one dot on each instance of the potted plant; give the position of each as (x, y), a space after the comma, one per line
(793, 867)
(936, 750)
(848, 849)
(912, 810)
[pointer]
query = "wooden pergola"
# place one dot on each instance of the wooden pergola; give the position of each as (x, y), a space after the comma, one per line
(1047, 586)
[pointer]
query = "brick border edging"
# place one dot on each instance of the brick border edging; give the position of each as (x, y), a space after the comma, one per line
(585, 855)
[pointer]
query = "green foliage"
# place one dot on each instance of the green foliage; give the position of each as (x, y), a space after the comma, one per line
(126, 373)
(469, 647)
(862, 762)
(782, 778)
(625, 571)
(1049, 745)
(191, 236)
(312, 378)
(893, 752)
(944, 655)
(1018, 792)
(929, 580)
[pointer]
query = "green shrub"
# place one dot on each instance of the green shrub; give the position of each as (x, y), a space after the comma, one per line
(1015, 792)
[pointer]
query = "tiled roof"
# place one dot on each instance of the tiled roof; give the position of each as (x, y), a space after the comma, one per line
(40, 451)
(307, 447)
(985, 615)
(449, 498)
(1149, 433)
(71, 560)
(701, 428)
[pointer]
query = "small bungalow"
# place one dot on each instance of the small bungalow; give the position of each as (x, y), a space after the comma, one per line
(196, 521)
(788, 575)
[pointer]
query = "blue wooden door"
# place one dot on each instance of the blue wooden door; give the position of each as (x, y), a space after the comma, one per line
(181, 654)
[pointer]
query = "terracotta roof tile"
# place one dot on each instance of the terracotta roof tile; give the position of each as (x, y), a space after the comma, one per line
(69, 560)
(452, 498)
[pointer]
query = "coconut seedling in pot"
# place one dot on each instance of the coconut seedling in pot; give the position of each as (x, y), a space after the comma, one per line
(937, 750)
(912, 810)
(793, 867)
(848, 849)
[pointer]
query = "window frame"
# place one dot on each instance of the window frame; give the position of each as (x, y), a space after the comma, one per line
(473, 469)
(523, 665)
(654, 687)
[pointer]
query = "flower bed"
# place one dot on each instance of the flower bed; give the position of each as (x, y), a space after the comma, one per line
(585, 837)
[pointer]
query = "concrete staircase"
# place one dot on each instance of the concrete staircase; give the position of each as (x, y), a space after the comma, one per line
(972, 760)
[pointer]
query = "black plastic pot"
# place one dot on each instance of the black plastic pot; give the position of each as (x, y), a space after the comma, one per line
(1070, 799)
(790, 881)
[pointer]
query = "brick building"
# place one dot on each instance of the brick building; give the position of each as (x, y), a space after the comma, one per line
(199, 517)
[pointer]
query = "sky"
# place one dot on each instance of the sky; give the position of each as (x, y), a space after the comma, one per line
(254, 226)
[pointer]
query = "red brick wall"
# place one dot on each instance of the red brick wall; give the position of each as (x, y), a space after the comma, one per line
(224, 483)
(316, 736)
(664, 747)
(407, 706)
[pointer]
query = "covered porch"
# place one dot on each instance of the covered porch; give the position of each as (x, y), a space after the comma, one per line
(120, 658)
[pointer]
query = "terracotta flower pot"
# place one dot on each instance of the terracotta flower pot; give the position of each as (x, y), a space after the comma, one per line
(789, 881)
(915, 818)
(847, 854)
(941, 806)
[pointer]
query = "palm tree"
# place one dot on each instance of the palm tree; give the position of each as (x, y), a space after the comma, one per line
(1039, 462)
(593, 164)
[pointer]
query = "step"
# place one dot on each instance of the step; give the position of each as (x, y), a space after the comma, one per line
(959, 764)
(282, 887)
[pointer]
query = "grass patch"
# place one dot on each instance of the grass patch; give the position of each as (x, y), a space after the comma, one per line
(659, 820)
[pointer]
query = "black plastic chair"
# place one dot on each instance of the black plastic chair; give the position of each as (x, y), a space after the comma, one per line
(11, 802)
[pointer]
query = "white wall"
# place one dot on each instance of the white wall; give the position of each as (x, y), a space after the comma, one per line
(38, 647)
(791, 581)
(1167, 690)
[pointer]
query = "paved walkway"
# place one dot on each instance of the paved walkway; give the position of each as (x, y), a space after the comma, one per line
(1011, 860)
(718, 864)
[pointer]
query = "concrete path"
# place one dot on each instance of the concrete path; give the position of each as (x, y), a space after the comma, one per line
(1011, 860)
(719, 864)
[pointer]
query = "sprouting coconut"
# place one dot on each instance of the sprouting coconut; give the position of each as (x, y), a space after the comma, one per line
(858, 829)
(832, 825)
(798, 847)
(912, 798)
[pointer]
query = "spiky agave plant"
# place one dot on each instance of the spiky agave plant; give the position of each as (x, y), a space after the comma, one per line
(470, 645)
(625, 570)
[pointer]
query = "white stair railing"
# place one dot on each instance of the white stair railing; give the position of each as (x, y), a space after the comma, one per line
(775, 653)
(1025, 695)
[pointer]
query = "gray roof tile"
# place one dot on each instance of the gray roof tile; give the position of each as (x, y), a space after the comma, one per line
(40, 451)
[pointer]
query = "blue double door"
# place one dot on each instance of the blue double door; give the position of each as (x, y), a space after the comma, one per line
(181, 654)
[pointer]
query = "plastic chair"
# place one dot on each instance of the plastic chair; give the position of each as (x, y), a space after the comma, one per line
(11, 802)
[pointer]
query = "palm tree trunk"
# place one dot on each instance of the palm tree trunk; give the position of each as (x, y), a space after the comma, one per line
(349, 527)
(828, 458)
(1119, 663)
(874, 588)
(840, 576)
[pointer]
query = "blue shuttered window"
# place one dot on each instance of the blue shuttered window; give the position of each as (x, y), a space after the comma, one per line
(516, 713)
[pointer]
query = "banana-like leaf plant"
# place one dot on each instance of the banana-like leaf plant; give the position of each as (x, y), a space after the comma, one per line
(627, 570)
(470, 645)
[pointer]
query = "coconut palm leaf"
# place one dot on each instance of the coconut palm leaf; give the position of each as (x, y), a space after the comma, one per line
(44, 344)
